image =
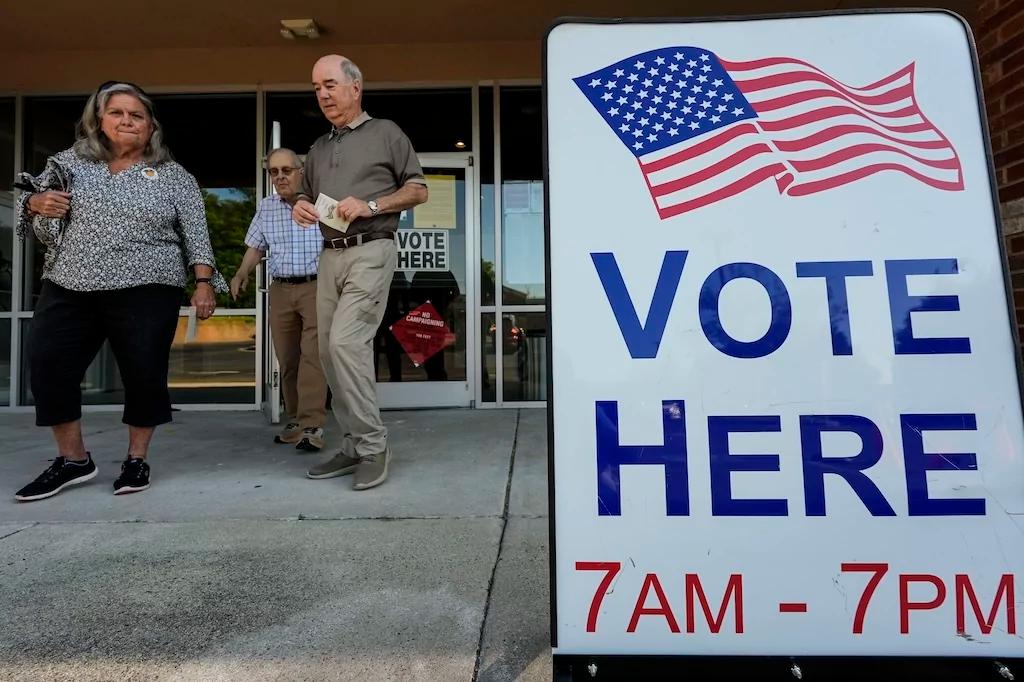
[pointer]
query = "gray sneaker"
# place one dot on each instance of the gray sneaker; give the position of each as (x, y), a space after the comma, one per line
(372, 471)
(312, 439)
(291, 433)
(339, 465)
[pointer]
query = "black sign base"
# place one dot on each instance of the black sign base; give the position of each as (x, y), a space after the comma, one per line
(781, 668)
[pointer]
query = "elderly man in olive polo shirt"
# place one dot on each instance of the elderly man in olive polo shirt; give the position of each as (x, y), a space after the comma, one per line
(369, 167)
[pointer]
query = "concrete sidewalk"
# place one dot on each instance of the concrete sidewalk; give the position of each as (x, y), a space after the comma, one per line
(233, 566)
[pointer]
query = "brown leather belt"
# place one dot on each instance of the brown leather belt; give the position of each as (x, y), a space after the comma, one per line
(296, 280)
(356, 240)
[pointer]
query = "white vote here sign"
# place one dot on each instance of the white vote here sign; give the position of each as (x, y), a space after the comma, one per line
(786, 414)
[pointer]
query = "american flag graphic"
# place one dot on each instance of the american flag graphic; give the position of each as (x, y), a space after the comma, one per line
(704, 129)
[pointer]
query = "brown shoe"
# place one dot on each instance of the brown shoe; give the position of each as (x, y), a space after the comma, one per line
(372, 471)
(312, 439)
(339, 465)
(291, 433)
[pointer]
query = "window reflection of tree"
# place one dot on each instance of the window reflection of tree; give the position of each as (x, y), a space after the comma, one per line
(228, 214)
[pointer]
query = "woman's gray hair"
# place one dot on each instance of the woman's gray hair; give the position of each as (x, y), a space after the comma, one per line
(90, 140)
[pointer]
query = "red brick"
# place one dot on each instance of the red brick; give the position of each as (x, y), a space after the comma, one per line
(1015, 173)
(986, 44)
(1013, 135)
(1005, 12)
(1012, 62)
(1016, 245)
(991, 74)
(994, 107)
(1014, 26)
(1006, 45)
(1016, 262)
(998, 141)
(1017, 281)
(1003, 85)
(1008, 156)
(1008, 120)
(1014, 98)
(1011, 192)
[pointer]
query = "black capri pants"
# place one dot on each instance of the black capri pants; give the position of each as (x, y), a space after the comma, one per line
(69, 328)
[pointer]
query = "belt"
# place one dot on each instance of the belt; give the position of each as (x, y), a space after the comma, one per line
(296, 280)
(356, 240)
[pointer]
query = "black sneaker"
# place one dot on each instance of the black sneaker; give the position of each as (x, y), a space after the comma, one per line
(61, 474)
(134, 476)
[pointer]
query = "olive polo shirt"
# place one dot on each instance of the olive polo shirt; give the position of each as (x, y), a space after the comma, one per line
(366, 159)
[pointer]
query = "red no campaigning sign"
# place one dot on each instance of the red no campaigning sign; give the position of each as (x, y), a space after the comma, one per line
(422, 333)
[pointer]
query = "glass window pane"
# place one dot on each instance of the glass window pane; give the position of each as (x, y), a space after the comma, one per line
(487, 358)
(524, 360)
(220, 157)
(215, 362)
(421, 279)
(6, 204)
(435, 120)
(5, 362)
(49, 127)
(100, 386)
(487, 196)
(522, 197)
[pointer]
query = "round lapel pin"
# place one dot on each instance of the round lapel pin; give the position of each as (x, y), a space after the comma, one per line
(150, 173)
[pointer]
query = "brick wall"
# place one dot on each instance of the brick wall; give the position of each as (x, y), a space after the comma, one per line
(999, 31)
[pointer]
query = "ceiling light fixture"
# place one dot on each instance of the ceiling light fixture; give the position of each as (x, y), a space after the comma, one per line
(299, 28)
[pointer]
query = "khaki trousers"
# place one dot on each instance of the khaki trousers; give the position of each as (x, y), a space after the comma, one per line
(293, 327)
(352, 294)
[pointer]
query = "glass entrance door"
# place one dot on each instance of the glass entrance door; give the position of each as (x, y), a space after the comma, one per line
(425, 347)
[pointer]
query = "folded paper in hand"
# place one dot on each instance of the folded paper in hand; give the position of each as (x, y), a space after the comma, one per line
(326, 206)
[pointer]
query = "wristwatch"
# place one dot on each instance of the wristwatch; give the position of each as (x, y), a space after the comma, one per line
(204, 280)
(374, 207)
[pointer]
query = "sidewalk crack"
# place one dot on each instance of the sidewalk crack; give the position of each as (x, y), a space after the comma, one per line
(501, 545)
(4, 537)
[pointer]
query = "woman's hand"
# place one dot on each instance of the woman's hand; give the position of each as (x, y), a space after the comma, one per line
(204, 300)
(51, 204)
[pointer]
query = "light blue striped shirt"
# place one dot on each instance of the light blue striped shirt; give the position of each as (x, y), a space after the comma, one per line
(294, 250)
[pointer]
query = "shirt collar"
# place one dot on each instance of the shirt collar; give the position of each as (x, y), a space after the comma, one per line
(351, 125)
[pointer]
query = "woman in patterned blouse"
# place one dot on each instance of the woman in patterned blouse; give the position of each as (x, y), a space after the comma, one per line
(119, 243)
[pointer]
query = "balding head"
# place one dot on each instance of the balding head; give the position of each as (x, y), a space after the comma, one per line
(285, 156)
(285, 170)
(338, 84)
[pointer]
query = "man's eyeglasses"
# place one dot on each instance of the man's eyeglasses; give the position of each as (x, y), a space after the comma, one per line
(274, 172)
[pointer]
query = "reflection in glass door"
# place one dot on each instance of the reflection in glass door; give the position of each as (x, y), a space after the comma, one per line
(424, 349)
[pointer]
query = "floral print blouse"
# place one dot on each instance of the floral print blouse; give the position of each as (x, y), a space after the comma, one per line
(143, 225)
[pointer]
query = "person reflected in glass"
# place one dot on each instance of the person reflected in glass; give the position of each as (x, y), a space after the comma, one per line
(385, 341)
(440, 289)
(131, 224)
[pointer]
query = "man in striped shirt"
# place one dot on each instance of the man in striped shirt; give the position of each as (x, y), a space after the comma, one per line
(294, 256)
